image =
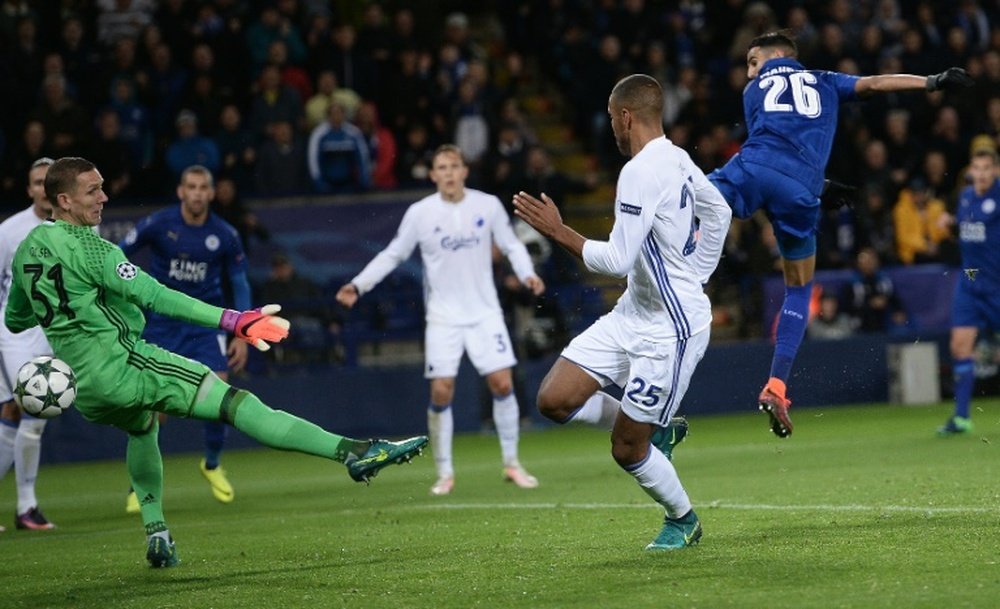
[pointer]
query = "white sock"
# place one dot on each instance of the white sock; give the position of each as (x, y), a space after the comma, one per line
(27, 450)
(600, 409)
(657, 476)
(441, 426)
(505, 416)
(7, 435)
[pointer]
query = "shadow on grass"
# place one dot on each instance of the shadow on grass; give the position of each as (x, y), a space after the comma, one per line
(144, 586)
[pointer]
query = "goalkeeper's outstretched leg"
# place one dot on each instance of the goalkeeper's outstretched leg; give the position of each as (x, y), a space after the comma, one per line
(217, 400)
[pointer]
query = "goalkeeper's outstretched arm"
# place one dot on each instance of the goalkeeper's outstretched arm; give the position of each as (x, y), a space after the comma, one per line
(256, 326)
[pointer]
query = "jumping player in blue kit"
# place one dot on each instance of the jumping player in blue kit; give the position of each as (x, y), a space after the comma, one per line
(976, 305)
(191, 250)
(791, 119)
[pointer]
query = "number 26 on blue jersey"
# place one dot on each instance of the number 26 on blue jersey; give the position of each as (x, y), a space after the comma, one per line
(805, 99)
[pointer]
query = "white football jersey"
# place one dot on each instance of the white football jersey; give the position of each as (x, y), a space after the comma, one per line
(13, 230)
(656, 242)
(456, 241)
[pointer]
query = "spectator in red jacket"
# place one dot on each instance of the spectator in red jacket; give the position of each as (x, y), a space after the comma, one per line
(381, 145)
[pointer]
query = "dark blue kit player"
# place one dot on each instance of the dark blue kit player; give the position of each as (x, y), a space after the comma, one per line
(791, 119)
(976, 305)
(191, 249)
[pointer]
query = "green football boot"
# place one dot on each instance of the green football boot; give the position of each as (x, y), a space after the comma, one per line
(955, 425)
(677, 533)
(161, 551)
(382, 453)
(666, 438)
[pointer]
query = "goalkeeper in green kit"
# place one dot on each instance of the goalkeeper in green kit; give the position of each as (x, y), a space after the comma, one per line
(89, 298)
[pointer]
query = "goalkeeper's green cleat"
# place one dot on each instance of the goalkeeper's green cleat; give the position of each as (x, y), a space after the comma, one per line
(666, 438)
(161, 551)
(955, 425)
(382, 453)
(677, 533)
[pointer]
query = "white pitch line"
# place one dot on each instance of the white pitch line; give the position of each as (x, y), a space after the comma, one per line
(712, 505)
(404, 507)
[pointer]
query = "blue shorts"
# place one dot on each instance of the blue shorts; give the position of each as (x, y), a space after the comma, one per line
(976, 305)
(793, 210)
(205, 345)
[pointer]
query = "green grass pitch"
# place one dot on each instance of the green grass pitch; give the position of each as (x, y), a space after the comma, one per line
(862, 507)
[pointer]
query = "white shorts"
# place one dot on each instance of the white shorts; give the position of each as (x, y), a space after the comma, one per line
(487, 343)
(653, 376)
(15, 351)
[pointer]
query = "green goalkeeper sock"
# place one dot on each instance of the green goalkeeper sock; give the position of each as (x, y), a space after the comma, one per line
(145, 471)
(275, 428)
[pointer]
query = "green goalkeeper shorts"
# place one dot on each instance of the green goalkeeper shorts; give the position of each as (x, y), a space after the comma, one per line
(130, 386)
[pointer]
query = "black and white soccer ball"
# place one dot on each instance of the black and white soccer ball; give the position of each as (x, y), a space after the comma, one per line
(46, 386)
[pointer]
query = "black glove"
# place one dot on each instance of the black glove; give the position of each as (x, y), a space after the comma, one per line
(950, 78)
(836, 195)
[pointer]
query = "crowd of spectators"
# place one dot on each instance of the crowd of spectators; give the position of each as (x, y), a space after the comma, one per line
(292, 97)
(285, 97)
(906, 153)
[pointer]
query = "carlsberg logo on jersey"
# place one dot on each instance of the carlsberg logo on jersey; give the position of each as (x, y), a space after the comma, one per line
(187, 270)
(456, 243)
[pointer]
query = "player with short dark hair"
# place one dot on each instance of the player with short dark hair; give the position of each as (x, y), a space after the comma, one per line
(976, 305)
(192, 250)
(670, 226)
(89, 300)
(791, 117)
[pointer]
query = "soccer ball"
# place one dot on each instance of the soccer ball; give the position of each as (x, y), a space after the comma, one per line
(45, 387)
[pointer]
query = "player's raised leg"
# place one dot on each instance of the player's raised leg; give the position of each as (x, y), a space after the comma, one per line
(792, 322)
(217, 400)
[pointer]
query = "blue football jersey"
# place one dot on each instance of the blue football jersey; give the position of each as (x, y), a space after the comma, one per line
(791, 116)
(979, 235)
(190, 259)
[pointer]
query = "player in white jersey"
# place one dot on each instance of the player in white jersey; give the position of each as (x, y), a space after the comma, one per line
(455, 229)
(670, 225)
(20, 433)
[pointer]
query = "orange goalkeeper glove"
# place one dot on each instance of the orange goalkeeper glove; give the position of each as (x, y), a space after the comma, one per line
(257, 326)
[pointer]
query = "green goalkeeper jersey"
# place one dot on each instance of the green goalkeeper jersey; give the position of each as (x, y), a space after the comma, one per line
(88, 299)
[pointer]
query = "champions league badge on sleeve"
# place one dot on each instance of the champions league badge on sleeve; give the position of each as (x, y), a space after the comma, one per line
(625, 208)
(126, 270)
